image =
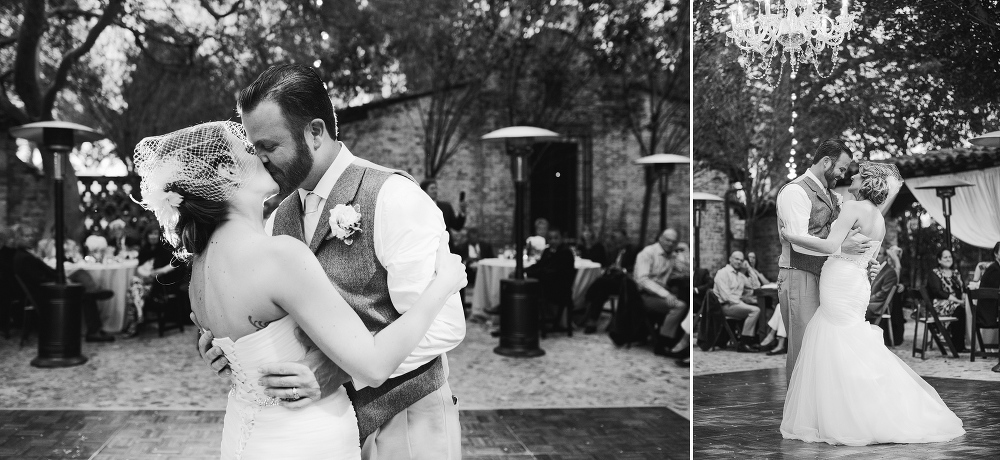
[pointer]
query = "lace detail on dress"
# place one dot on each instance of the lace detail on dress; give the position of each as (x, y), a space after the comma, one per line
(860, 260)
(248, 392)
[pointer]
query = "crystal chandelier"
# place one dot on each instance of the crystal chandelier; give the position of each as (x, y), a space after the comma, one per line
(799, 31)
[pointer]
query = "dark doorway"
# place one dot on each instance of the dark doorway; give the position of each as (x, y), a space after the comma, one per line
(552, 186)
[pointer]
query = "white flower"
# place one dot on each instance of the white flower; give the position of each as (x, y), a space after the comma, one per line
(95, 243)
(345, 221)
(838, 198)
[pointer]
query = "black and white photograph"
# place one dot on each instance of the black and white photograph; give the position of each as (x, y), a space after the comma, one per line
(846, 228)
(346, 229)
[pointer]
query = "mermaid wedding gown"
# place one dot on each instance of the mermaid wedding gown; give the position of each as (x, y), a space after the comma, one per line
(847, 387)
(256, 427)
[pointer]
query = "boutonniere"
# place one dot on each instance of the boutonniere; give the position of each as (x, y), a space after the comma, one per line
(345, 221)
(838, 198)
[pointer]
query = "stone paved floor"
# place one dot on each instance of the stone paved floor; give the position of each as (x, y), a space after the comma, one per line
(550, 434)
(738, 414)
(152, 397)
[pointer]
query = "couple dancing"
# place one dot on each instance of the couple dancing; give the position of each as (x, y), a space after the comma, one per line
(845, 386)
(334, 330)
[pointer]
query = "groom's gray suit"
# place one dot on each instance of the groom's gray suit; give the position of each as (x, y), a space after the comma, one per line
(421, 397)
(799, 271)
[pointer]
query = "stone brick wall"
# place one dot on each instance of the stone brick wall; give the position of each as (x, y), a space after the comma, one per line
(390, 135)
(712, 236)
(23, 190)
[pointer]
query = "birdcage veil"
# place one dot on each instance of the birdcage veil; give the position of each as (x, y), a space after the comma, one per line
(883, 175)
(211, 161)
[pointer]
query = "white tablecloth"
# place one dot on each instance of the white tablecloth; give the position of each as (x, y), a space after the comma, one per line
(113, 276)
(487, 291)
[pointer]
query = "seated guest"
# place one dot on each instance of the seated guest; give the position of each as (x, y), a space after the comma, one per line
(731, 285)
(752, 271)
(776, 334)
(16, 259)
(654, 268)
(611, 281)
(472, 250)
(156, 267)
(987, 310)
(945, 288)
(536, 242)
(884, 283)
(703, 283)
(590, 248)
(555, 272)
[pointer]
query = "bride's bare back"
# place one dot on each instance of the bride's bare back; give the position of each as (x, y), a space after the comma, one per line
(229, 295)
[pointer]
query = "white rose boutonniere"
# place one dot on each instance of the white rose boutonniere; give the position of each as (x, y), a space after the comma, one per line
(838, 198)
(345, 221)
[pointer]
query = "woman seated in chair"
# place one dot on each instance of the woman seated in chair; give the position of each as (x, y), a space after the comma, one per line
(945, 288)
(155, 277)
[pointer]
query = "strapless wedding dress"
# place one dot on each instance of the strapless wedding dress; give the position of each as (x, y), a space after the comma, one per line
(847, 387)
(256, 427)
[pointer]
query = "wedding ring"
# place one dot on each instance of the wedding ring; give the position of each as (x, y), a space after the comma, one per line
(295, 393)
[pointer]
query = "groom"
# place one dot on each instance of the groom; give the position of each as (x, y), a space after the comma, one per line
(808, 205)
(383, 270)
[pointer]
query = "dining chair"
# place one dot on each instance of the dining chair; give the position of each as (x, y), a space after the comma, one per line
(988, 321)
(934, 325)
(886, 314)
(711, 313)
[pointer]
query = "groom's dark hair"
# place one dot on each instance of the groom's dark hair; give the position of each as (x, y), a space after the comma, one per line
(831, 148)
(299, 92)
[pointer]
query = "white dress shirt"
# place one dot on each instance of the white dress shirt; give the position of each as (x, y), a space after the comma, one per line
(794, 207)
(407, 230)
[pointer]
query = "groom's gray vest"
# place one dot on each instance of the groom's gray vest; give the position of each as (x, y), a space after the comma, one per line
(824, 211)
(361, 280)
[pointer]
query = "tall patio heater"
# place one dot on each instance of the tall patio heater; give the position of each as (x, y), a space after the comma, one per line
(987, 140)
(945, 188)
(59, 314)
(700, 199)
(518, 308)
(663, 164)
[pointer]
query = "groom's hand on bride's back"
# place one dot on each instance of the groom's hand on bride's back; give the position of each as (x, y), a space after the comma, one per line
(855, 243)
(212, 354)
(315, 376)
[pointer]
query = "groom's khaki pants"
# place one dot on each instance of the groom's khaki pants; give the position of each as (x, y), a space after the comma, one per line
(427, 430)
(798, 296)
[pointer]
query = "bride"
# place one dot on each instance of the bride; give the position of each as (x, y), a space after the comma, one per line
(206, 188)
(847, 387)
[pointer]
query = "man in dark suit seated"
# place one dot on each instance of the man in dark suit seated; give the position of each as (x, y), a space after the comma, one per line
(883, 284)
(987, 310)
(17, 260)
(555, 272)
(611, 281)
(472, 250)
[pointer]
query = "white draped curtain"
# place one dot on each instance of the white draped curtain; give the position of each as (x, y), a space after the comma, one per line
(975, 217)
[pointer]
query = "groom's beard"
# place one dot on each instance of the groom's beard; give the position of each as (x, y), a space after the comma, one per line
(831, 177)
(292, 175)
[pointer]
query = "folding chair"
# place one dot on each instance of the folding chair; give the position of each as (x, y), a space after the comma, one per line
(934, 325)
(886, 314)
(972, 299)
(30, 310)
(712, 308)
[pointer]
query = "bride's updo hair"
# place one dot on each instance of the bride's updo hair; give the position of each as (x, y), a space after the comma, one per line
(188, 176)
(878, 181)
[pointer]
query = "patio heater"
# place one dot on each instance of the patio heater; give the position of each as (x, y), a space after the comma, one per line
(945, 188)
(59, 314)
(987, 140)
(518, 310)
(663, 164)
(700, 199)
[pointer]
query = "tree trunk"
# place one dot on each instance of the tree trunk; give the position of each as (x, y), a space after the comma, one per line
(647, 198)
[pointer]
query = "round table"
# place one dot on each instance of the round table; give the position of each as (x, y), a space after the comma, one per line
(490, 271)
(114, 276)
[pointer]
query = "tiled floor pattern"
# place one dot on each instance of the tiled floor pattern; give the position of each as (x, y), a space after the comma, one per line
(737, 415)
(545, 434)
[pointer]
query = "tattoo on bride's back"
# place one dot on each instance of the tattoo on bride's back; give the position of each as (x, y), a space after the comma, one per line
(259, 324)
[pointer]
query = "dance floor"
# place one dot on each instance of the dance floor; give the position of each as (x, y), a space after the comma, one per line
(621, 433)
(737, 414)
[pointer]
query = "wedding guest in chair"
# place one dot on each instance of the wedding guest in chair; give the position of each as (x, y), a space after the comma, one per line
(731, 286)
(945, 288)
(654, 267)
(611, 281)
(555, 272)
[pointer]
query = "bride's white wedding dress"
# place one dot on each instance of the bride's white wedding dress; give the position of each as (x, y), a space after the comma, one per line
(256, 427)
(847, 387)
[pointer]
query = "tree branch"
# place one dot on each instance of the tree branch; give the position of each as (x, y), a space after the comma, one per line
(232, 9)
(26, 83)
(62, 73)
